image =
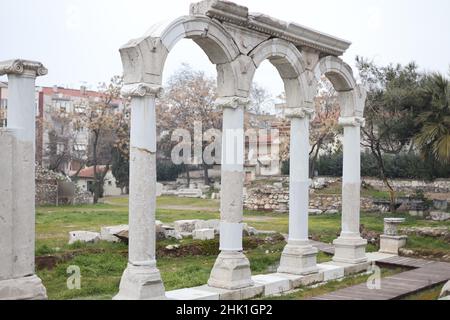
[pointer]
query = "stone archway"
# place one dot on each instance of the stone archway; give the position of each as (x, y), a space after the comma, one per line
(349, 247)
(237, 42)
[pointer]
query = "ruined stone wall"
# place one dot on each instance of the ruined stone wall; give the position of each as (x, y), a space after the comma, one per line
(410, 186)
(47, 189)
(276, 199)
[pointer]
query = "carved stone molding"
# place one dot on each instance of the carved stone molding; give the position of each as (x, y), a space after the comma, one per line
(141, 90)
(232, 13)
(23, 67)
(352, 122)
(301, 112)
(232, 102)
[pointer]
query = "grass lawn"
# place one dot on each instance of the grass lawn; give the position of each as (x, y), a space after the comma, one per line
(102, 264)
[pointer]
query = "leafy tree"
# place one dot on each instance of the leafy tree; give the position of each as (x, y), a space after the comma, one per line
(433, 137)
(189, 99)
(393, 95)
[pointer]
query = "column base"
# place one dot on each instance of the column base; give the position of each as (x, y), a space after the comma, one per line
(391, 244)
(141, 283)
(231, 271)
(25, 288)
(350, 250)
(298, 260)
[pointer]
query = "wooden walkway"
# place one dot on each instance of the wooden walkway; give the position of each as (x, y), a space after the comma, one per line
(424, 275)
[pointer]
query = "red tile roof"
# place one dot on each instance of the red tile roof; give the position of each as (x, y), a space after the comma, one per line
(88, 172)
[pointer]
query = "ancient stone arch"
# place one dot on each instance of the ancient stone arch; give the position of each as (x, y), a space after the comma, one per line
(237, 42)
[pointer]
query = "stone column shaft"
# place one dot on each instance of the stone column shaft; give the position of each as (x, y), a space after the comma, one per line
(299, 180)
(17, 220)
(350, 247)
(299, 257)
(142, 280)
(232, 268)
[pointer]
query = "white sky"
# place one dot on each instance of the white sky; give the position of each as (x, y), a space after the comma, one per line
(78, 41)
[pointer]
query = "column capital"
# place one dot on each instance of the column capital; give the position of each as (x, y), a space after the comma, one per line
(300, 112)
(140, 90)
(352, 121)
(24, 68)
(232, 102)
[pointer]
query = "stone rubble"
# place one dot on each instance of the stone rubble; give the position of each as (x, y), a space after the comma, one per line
(83, 237)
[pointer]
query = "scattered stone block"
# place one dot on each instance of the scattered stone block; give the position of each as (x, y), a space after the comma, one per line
(445, 293)
(441, 205)
(208, 224)
(83, 236)
(439, 216)
(203, 234)
(171, 233)
(190, 193)
(185, 225)
(109, 233)
(315, 212)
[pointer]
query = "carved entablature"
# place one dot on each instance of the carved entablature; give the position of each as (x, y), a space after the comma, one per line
(299, 35)
(232, 102)
(22, 67)
(140, 90)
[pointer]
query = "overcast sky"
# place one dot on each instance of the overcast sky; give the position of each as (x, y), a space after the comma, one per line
(78, 40)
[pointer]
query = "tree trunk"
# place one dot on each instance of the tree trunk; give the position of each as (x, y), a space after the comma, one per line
(188, 176)
(206, 175)
(392, 196)
(96, 178)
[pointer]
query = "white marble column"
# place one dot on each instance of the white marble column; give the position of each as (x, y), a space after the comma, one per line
(17, 184)
(232, 269)
(299, 257)
(350, 247)
(142, 280)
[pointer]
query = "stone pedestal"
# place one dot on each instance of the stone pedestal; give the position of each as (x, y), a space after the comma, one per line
(141, 283)
(391, 244)
(350, 247)
(24, 288)
(299, 257)
(350, 250)
(232, 269)
(142, 280)
(17, 184)
(390, 241)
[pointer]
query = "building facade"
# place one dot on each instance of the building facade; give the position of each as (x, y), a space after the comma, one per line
(59, 145)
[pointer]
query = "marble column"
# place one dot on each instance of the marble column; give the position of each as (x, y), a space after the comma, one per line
(232, 268)
(350, 247)
(17, 184)
(141, 279)
(299, 256)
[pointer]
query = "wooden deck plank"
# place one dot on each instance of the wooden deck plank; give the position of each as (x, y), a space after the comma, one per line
(398, 285)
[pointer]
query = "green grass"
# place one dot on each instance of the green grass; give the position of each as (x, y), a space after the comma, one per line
(102, 264)
(430, 294)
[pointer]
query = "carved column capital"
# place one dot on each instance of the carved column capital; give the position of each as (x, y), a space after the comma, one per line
(24, 68)
(232, 102)
(134, 90)
(300, 112)
(352, 122)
